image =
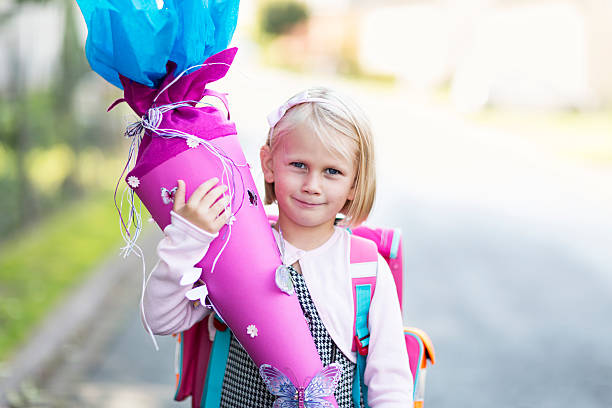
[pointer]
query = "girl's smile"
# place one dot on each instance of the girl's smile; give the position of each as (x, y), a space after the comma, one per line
(307, 205)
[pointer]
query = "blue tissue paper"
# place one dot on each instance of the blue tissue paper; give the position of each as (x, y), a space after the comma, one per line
(136, 38)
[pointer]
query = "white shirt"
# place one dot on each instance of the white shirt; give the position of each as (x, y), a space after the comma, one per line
(326, 273)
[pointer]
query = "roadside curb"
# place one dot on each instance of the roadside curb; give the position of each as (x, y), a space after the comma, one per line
(48, 346)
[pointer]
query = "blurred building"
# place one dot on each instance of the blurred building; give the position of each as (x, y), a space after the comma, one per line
(31, 54)
(523, 53)
(533, 54)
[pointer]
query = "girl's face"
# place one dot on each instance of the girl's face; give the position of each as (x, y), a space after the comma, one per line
(311, 184)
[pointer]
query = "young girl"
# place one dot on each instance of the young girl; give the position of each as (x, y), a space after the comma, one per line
(318, 161)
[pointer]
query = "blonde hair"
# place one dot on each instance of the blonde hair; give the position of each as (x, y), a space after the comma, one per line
(344, 129)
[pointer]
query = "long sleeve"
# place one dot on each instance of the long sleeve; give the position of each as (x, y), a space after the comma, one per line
(387, 372)
(166, 308)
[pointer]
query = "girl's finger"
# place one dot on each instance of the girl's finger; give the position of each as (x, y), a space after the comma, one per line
(218, 207)
(212, 196)
(179, 196)
(201, 191)
(222, 219)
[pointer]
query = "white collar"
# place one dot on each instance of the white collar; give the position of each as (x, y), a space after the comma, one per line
(293, 254)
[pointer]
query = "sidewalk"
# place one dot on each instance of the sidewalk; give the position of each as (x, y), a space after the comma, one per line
(70, 338)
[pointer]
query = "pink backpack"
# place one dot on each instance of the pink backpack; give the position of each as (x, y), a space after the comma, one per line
(200, 363)
(366, 244)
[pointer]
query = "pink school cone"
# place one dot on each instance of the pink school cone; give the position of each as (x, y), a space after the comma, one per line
(242, 286)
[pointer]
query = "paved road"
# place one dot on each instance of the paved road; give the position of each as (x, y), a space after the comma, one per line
(507, 250)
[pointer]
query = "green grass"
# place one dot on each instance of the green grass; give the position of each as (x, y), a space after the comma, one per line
(579, 135)
(39, 266)
(585, 136)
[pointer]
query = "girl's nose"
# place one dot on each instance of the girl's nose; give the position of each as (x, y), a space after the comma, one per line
(312, 184)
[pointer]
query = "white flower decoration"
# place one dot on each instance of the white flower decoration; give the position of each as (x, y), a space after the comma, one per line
(192, 143)
(133, 181)
(252, 330)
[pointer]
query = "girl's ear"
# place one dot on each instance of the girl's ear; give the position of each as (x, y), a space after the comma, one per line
(351, 195)
(265, 156)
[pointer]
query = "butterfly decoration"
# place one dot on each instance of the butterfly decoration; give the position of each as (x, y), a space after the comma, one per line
(323, 384)
(168, 195)
(252, 198)
(283, 279)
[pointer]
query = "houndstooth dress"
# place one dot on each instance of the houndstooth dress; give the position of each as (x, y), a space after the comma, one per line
(242, 384)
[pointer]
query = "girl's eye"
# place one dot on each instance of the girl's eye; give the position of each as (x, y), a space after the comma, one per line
(333, 171)
(299, 165)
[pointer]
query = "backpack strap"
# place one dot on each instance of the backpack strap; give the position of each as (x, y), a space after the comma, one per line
(363, 268)
(211, 394)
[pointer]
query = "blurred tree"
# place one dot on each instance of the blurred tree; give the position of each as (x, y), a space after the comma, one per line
(17, 135)
(279, 17)
(71, 69)
(40, 135)
(72, 65)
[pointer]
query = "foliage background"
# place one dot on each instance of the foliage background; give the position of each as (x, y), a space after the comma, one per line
(59, 160)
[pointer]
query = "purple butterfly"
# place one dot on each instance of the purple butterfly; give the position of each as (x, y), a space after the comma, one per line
(168, 195)
(252, 198)
(289, 396)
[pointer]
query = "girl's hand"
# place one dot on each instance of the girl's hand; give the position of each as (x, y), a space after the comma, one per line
(206, 208)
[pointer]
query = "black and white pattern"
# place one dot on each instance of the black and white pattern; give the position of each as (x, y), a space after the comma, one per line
(242, 384)
(244, 388)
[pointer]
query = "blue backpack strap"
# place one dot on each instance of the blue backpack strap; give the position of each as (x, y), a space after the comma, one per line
(359, 386)
(363, 268)
(211, 396)
(178, 362)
